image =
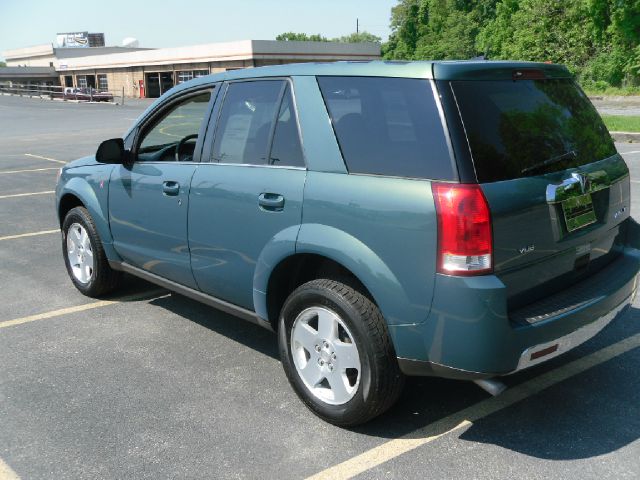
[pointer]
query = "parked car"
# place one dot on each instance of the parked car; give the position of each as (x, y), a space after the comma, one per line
(465, 220)
(83, 94)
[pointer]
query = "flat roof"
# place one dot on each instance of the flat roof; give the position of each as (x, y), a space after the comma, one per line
(27, 52)
(28, 72)
(229, 51)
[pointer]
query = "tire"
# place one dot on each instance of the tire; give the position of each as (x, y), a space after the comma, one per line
(337, 354)
(84, 256)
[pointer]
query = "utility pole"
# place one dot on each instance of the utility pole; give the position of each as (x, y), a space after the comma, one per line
(357, 25)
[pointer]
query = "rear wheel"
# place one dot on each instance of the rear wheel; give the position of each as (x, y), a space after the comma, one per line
(337, 354)
(84, 257)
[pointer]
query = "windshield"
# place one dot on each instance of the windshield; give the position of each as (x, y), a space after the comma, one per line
(529, 127)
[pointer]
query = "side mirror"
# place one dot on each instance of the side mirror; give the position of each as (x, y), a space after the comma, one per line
(111, 151)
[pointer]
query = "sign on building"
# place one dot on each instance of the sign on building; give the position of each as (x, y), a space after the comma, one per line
(73, 39)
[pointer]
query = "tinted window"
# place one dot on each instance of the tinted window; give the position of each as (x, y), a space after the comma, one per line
(245, 122)
(529, 127)
(388, 126)
(182, 120)
(286, 149)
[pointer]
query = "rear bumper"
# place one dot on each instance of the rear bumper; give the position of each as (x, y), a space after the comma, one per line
(470, 335)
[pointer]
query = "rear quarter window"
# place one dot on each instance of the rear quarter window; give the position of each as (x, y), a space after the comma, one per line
(388, 126)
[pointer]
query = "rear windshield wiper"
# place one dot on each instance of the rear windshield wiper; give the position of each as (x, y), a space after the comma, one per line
(570, 154)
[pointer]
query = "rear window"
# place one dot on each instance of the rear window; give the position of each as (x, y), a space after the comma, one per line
(529, 127)
(388, 126)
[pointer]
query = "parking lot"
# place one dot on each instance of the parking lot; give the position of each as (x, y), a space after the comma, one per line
(150, 384)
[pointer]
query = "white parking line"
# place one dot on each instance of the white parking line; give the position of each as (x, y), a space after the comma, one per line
(396, 447)
(43, 158)
(6, 473)
(634, 151)
(30, 234)
(28, 170)
(47, 192)
(81, 308)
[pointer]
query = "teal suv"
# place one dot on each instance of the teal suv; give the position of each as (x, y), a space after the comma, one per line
(456, 219)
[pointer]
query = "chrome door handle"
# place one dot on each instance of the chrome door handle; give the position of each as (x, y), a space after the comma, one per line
(273, 202)
(170, 188)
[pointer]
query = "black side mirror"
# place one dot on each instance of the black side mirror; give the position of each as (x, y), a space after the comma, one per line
(111, 151)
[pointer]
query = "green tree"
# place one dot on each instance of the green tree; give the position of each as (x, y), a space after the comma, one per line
(351, 38)
(599, 40)
(359, 37)
(2, 64)
(406, 22)
(437, 29)
(301, 37)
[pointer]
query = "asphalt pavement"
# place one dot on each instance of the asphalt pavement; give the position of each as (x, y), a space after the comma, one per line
(149, 384)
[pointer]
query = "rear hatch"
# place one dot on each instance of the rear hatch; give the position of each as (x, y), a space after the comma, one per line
(557, 189)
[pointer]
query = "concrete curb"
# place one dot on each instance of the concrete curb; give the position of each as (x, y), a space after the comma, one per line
(628, 137)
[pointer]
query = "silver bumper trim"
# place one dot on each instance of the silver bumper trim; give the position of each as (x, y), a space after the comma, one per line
(569, 341)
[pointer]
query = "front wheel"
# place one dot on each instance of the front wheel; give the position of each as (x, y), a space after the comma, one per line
(337, 354)
(84, 257)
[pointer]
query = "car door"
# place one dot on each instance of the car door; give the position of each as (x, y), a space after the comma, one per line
(149, 196)
(248, 187)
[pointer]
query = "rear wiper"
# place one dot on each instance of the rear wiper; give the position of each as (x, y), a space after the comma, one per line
(559, 158)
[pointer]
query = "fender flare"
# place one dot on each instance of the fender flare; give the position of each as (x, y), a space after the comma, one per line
(343, 249)
(280, 247)
(81, 189)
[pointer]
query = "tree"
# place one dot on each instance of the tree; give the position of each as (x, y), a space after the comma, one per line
(358, 37)
(351, 38)
(437, 29)
(594, 38)
(599, 40)
(2, 64)
(301, 37)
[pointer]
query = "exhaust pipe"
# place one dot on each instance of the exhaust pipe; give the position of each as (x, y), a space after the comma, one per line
(492, 386)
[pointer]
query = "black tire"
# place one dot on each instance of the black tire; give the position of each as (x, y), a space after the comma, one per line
(380, 381)
(103, 278)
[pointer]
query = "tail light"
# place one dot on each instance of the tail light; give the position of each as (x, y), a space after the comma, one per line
(465, 246)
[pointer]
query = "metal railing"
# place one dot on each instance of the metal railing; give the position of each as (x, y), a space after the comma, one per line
(57, 92)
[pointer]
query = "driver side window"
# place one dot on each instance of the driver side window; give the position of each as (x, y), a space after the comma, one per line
(174, 134)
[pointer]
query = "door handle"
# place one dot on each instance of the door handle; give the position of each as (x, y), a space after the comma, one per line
(273, 202)
(170, 188)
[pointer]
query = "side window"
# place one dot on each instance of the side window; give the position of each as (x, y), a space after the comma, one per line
(286, 149)
(176, 131)
(388, 126)
(246, 121)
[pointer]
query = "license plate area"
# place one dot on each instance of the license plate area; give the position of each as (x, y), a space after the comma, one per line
(578, 212)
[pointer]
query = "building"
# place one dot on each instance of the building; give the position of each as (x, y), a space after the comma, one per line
(49, 56)
(30, 75)
(151, 72)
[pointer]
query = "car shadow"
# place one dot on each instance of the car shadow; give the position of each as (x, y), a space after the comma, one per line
(593, 413)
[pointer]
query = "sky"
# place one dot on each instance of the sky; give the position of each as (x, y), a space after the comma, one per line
(162, 23)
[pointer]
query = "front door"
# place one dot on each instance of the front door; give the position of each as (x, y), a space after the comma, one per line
(247, 190)
(149, 198)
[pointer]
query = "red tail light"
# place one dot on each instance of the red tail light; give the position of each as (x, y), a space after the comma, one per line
(465, 246)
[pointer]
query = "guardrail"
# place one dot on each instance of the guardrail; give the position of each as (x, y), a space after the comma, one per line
(58, 92)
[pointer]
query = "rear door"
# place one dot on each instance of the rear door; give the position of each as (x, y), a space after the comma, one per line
(149, 197)
(557, 189)
(248, 187)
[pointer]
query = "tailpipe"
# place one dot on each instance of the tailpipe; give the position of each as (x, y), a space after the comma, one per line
(492, 386)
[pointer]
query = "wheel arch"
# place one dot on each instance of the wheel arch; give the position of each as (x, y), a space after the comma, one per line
(77, 192)
(321, 251)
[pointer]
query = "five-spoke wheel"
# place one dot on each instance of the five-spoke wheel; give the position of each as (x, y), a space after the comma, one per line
(80, 253)
(84, 255)
(336, 352)
(325, 355)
